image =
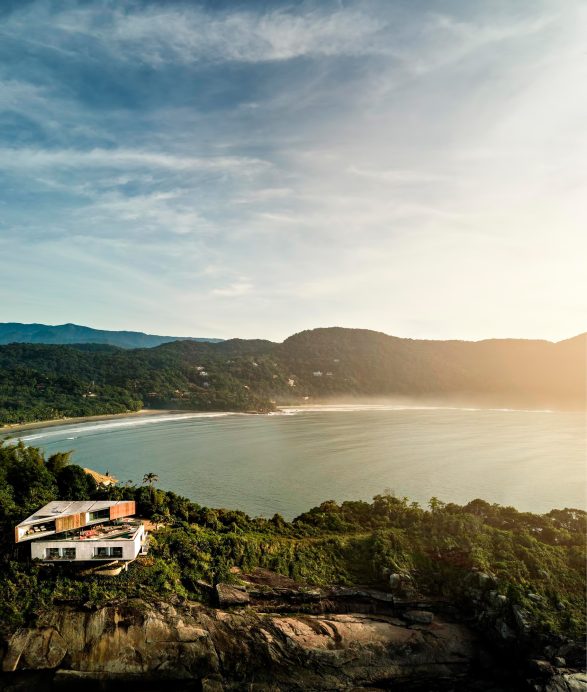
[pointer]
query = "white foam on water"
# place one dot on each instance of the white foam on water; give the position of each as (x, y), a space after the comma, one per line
(352, 408)
(113, 425)
(125, 423)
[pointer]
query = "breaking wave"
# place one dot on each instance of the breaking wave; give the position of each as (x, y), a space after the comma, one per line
(113, 425)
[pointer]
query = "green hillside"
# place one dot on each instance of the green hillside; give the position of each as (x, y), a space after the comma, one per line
(516, 572)
(39, 382)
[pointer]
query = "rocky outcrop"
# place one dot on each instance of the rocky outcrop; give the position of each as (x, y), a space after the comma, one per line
(227, 650)
(422, 617)
(567, 682)
(272, 633)
(228, 595)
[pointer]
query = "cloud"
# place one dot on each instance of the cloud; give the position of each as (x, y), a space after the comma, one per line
(14, 94)
(29, 158)
(183, 34)
(367, 163)
(152, 213)
(234, 290)
(399, 177)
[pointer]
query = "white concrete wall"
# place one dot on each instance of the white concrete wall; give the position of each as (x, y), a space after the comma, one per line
(85, 549)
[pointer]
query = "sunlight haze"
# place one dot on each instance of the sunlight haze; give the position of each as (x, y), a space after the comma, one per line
(255, 169)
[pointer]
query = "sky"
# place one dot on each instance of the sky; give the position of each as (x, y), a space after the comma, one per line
(254, 169)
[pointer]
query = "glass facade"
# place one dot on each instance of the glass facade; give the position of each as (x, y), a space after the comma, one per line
(110, 551)
(60, 553)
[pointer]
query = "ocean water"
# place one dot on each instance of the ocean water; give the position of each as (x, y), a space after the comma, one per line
(292, 461)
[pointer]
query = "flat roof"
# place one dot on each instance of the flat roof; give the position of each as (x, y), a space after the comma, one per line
(121, 532)
(63, 508)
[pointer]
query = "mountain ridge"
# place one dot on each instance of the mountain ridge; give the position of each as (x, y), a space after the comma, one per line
(46, 381)
(69, 333)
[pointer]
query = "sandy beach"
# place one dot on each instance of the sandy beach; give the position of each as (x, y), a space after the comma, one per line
(21, 427)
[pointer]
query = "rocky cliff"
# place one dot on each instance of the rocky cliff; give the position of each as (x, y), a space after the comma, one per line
(165, 645)
(229, 649)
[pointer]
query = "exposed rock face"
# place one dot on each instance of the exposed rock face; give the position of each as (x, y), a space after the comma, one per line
(230, 595)
(220, 648)
(569, 682)
(423, 617)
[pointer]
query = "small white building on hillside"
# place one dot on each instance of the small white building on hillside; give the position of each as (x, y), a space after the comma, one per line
(84, 531)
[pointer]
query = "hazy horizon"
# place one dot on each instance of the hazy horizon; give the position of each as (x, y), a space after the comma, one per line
(149, 332)
(247, 169)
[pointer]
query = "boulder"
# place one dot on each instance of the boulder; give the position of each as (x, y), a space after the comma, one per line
(420, 617)
(229, 595)
(45, 650)
(522, 618)
(505, 631)
(16, 647)
(567, 682)
(394, 581)
(541, 668)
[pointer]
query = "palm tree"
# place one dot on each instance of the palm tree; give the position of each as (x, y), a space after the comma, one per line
(150, 478)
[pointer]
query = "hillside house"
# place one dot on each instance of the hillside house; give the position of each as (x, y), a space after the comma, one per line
(84, 531)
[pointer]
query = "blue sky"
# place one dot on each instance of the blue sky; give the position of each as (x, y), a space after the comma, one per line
(255, 169)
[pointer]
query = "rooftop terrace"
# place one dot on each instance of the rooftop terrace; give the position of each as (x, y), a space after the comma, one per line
(119, 531)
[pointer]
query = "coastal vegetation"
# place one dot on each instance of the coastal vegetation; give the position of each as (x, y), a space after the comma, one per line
(533, 563)
(40, 382)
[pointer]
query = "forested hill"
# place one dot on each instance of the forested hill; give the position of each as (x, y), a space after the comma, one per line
(46, 381)
(518, 371)
(15, 332)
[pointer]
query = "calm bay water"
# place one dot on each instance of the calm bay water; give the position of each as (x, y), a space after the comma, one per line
(290, 462)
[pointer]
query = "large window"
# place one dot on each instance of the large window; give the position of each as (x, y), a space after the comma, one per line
(100, 514)
(109, 551)
(59, 553)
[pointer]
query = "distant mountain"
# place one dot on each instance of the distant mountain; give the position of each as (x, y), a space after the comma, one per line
(16, 333)
(321, 365)
(493, 372)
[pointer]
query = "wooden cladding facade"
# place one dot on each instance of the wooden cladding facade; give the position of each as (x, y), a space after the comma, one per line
(44, 524)
(69, 522)
(122, 509)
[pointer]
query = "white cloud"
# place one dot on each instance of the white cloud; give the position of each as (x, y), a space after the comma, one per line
(34, 158)
(233, 290)
(398, 177)
(192, 34)
(419, 172)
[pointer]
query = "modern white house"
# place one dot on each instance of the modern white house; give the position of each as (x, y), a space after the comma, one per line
(84, 531)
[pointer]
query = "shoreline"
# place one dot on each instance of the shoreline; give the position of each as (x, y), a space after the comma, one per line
(54, 422)
(8, 430)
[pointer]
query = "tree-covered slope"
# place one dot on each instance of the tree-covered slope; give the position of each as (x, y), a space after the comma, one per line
(499, 371)
(40, 382)
(516, 572)
(47, 381)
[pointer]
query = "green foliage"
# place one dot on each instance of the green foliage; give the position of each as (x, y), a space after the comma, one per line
(537, 561)
(39, 382)
(74, 483)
